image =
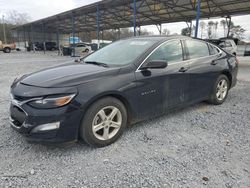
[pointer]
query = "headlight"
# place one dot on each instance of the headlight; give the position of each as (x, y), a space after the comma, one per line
(52, 101)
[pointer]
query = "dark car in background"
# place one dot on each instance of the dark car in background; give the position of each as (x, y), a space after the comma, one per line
(39, 46)
(125, 82)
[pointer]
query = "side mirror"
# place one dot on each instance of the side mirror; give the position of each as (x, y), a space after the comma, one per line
(155, 64)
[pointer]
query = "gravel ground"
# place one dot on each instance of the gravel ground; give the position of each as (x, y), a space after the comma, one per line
(199, 146)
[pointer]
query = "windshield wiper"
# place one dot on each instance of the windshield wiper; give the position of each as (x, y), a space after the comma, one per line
(96, 63)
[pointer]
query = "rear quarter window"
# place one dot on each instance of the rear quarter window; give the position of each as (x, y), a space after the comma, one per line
(213, 50)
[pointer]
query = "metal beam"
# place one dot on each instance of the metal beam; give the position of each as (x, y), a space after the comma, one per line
(228, 25)
(57, 38)
(73, 32)
(98, 25)
(44, 39)
(134, 16)
(198, 12)
(32, 37)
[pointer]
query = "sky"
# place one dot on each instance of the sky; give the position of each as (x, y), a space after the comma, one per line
(44, 8)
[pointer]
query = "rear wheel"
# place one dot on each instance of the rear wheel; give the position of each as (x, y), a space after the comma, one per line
(220, 90)
(104, 122)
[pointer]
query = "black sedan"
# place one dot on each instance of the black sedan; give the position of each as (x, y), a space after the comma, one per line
(128, 81)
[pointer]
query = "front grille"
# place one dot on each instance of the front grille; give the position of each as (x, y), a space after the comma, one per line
(17, 115)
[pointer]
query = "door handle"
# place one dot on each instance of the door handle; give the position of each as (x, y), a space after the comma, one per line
(183, 69)
(214, 62)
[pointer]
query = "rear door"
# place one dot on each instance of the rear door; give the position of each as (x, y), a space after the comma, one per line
(202, 72)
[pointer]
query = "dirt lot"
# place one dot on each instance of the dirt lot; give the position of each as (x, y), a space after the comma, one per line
(199, 146)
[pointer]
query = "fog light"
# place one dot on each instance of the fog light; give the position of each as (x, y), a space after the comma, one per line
(46, 127)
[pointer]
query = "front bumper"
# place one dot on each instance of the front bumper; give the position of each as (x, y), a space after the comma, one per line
(46, 125)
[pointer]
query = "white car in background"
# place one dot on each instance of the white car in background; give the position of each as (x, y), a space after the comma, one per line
(228, 45)
(80, 49)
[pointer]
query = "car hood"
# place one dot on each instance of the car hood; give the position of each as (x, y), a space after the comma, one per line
(68, 75)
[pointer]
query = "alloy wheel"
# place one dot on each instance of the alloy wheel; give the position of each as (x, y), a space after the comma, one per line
(222, 89)
(107, 123)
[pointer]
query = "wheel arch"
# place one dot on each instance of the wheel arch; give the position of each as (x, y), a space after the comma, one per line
(4, 49)
(116, 95)
(228, 75)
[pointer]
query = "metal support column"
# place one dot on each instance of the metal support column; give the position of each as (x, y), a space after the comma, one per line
(57, 39)
(44, 39)
(102, 35)
(73, 32)
(191, 25)
(119, 33)
(32, 38)
(228, 25)
(4, 32)
(134, 17)
(18, 39)
(98, 25)
(24, 38)
(198, 13)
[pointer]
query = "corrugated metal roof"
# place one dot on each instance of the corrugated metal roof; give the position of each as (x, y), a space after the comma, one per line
(119, 14)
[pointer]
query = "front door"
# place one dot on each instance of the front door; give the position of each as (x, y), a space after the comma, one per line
(161, 89)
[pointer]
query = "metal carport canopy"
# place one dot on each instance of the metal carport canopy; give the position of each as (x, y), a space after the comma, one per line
(120, 14)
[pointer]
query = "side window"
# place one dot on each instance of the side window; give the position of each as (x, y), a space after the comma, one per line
(170, 52)
(197, 49)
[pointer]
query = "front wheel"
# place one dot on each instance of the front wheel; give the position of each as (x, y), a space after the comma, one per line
(220, 90)
(104, 122)
(6, 50)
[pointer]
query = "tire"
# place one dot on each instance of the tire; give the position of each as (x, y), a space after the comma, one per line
(218, 97)
(6, 50)
(99, 113)
(87, 50)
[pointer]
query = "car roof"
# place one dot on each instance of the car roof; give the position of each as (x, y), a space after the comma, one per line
(160, 37)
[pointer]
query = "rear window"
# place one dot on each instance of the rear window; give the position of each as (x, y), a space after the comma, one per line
(197, 49)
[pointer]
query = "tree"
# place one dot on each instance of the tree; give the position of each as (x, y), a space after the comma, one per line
(236, 31)
(12, 19)
(223, 23)
(202, 27)
(166, 32)
(17, 18)
(210, 29)
(215, 28)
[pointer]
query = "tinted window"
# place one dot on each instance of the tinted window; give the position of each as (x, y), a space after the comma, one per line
(170, 52)
(197, 49)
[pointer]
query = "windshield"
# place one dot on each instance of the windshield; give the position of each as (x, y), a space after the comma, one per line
(121, 52)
